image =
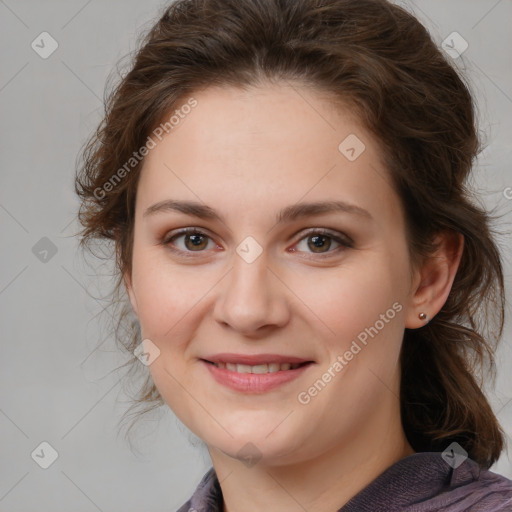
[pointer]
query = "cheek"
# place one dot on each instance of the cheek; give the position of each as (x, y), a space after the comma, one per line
(164, 293)
(166, 297)
(348, 300)
(363, 307)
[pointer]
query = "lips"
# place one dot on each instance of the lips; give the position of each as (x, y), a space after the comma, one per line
(255, 373)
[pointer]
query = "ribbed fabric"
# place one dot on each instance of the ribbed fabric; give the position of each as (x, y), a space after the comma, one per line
(422, 482)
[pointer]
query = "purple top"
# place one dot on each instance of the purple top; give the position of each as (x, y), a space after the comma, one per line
(422, 482)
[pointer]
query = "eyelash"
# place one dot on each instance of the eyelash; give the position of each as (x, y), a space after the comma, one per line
(345, 242)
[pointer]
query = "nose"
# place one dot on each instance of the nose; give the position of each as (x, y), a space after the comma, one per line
(252, 299)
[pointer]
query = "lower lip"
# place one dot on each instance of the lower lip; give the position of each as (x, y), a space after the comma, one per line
(254, 382)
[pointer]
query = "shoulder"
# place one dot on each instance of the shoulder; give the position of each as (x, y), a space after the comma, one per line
(426, 482)
(467, 488)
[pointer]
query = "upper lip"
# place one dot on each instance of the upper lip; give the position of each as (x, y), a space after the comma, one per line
(255, 359)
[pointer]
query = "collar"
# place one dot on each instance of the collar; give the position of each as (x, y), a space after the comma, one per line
(422, 482)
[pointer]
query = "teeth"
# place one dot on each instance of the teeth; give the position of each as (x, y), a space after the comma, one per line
(259, 368)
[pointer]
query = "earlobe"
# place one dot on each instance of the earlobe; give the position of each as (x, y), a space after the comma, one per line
(434, 280)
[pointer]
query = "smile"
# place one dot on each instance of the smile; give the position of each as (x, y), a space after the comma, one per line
(257, 378)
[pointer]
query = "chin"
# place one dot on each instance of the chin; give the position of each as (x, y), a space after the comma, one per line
(271, 447)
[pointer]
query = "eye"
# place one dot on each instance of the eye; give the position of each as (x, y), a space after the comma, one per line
(194, 240)
(319, 241)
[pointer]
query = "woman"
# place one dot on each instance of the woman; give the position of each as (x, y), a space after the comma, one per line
(284, 183)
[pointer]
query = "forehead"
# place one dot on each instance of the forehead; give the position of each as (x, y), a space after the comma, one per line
(265, 147)
(232, 123)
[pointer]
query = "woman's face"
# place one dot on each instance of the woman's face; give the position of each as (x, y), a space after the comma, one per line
(263, 281)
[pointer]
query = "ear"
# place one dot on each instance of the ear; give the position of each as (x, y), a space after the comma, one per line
(434, 279)
(127, 278)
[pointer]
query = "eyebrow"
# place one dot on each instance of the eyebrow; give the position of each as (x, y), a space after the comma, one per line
(287, 214)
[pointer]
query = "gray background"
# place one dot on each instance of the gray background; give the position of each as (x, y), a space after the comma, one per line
(55, 386)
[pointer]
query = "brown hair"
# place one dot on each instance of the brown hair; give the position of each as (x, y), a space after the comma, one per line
(380, 60)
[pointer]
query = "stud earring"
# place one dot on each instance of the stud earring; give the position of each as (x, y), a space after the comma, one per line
(423, 316)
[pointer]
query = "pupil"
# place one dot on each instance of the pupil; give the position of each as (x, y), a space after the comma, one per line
(196, 240)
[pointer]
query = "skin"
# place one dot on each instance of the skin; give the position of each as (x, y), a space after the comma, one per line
(247, 154)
